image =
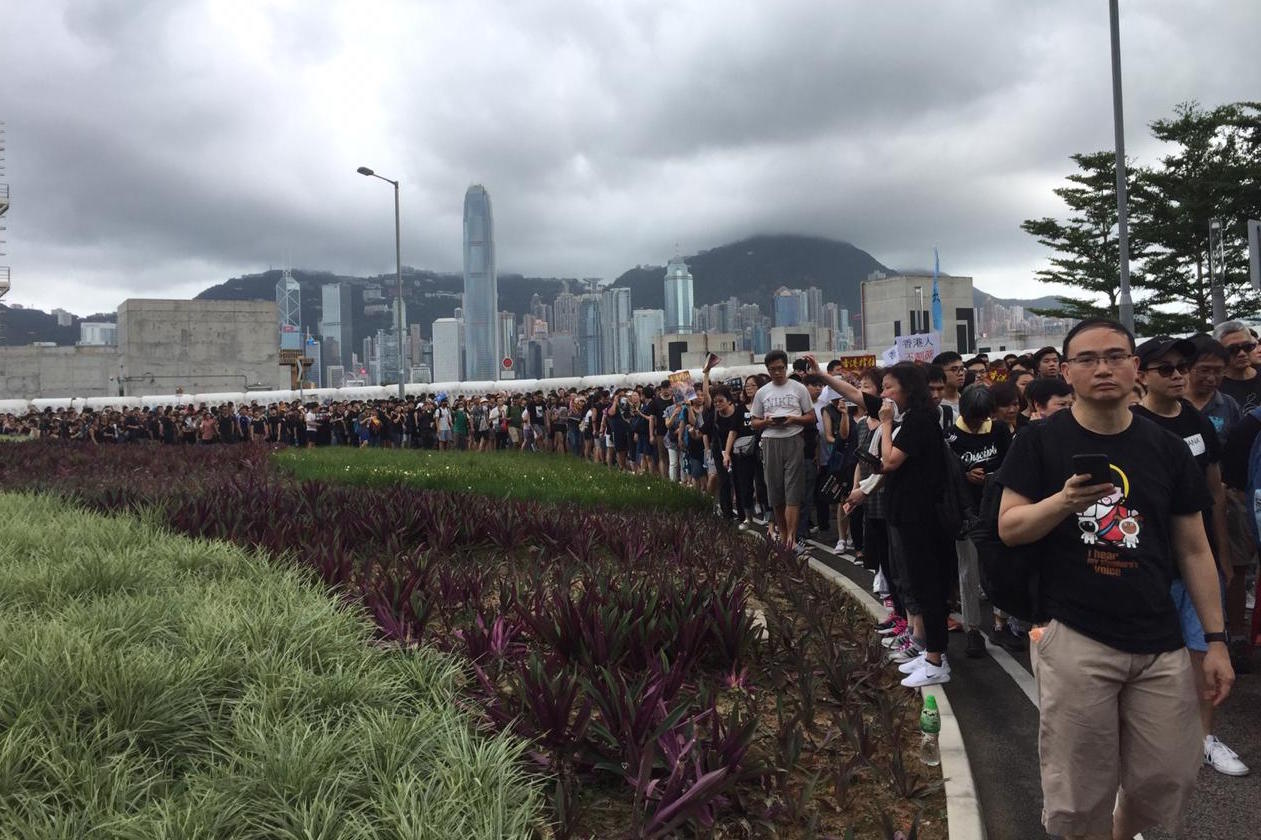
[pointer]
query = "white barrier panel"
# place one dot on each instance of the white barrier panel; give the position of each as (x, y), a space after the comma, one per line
(363, 392)
(53, 403)
(98, 403)
(14, 406)
(220, 398)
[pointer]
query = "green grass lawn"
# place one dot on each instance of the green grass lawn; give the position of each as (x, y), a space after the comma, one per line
(157, 686)
(513, 475)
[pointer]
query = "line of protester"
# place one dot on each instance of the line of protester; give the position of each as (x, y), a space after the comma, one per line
(1152, 565)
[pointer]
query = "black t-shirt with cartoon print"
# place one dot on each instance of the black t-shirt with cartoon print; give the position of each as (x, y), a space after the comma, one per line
(1107, 571)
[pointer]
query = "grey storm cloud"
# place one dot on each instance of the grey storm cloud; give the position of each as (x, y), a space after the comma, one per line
(155, 148)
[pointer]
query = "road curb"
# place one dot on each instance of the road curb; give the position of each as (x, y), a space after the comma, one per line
(963, 808)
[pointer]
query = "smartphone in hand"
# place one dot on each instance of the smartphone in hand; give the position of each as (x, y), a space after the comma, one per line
(1098, 467)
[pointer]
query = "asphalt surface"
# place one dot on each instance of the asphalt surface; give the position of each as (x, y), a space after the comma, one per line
(999, 722)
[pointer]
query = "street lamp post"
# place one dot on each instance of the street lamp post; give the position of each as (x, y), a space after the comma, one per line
(1125, 305)
(919, 313)
(398, 266)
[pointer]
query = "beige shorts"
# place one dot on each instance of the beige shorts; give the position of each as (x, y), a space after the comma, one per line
(1243, 545)
(1113, 723)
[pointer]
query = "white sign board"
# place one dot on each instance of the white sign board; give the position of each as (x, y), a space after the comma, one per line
(922, 347)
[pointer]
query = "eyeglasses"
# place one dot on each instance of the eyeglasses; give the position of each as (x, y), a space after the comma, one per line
(1114, 358)
(1166, 370)
(1246, 347)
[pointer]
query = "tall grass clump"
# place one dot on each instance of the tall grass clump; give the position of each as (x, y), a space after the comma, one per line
(153, 685)
(502, 475)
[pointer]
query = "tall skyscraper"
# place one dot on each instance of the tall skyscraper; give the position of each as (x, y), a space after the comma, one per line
(289, 312)
(336, 323)
(616, 345)
(678, 289)
(647, 325)
(481, 288)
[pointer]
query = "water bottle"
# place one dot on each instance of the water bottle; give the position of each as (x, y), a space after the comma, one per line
(930, 726)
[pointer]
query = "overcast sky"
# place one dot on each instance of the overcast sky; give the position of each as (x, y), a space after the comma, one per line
(156, 147)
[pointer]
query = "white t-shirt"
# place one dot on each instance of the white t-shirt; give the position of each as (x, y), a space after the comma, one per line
(791, 399)
(312, 421)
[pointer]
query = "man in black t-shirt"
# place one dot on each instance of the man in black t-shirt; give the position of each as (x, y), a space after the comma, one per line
(1164, 363)
(1117, 698)
(1242, 382)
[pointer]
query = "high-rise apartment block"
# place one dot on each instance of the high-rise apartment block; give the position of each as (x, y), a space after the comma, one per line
(507, 337)
(481, 288)
(647, 325)
(616, 331)
(336, 323)
(448, 350)
(814, 306)
(589, 350)
(565, 314)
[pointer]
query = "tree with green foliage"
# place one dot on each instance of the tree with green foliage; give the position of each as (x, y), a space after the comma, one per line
(1212, 173)
(1086, 245)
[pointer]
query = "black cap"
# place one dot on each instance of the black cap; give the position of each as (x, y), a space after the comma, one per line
(1154, 348)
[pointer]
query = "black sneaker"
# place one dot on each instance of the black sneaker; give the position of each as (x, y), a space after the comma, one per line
(975, 648)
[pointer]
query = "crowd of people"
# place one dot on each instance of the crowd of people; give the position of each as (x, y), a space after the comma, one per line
(1152, 563)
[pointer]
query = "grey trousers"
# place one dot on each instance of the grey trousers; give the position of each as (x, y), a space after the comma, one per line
(970, 584)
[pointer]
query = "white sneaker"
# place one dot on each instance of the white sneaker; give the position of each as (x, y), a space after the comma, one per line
(839, 547)
(896, 641)
(929, 674)
(1222, 758)
(918, 662)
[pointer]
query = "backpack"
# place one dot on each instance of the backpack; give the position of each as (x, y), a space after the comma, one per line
(1253, 497)
(1010, 575)
(844, 455)
(954, 508)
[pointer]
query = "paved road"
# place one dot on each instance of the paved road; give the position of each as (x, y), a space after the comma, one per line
(993, 700)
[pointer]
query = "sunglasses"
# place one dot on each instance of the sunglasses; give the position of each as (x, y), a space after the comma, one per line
(1166, 370)
(1246, 347)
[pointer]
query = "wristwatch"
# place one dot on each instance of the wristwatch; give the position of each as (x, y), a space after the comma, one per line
(1215, 637)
